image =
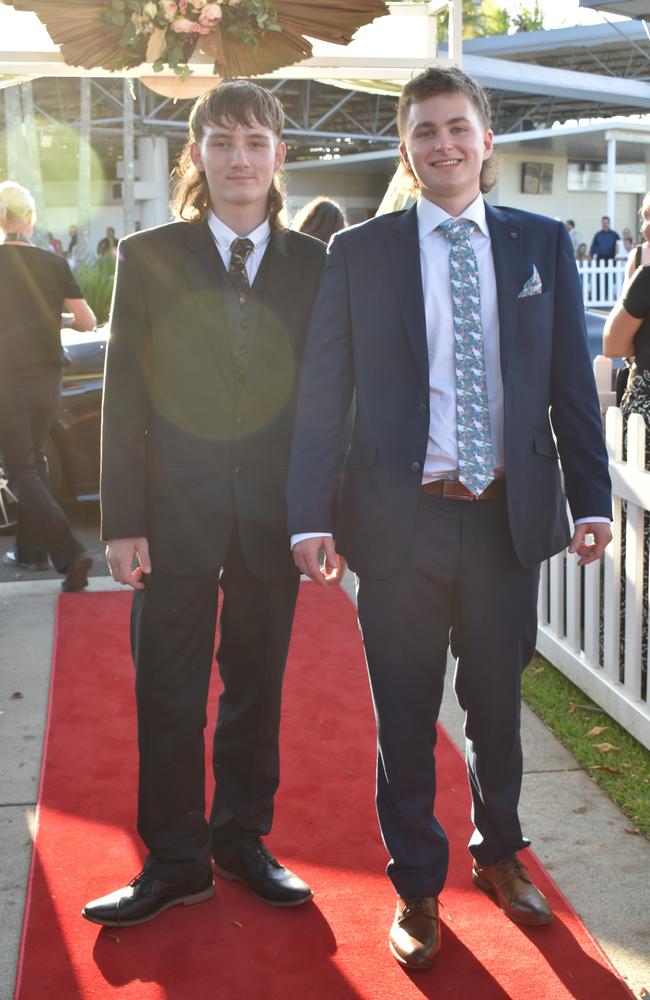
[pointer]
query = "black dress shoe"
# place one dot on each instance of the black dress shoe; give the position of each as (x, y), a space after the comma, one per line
(255, 866)
(11, 559)
(76, 575)
(143, 899)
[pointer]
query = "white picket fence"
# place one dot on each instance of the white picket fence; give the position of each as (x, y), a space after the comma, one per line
(602, 281)
(580, 610)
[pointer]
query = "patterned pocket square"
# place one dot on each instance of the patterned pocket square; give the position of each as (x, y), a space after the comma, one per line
(533, 286)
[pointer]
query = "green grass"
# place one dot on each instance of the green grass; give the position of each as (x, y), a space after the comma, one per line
(623, 771)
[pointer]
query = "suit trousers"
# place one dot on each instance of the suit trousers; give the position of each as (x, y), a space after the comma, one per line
(173, 624)
(29, 400)
(461, 584)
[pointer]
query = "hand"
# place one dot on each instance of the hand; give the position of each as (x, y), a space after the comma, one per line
(121, 554)
(305, 556)
(589, 552)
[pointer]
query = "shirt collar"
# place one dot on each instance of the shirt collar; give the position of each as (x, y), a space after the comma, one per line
(223, 234)
(430, 215)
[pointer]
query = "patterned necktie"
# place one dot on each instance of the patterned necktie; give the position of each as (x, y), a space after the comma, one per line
(475, 465)
(240, 251)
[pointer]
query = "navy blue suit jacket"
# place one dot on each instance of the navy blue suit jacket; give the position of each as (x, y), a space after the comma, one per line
(367, 334)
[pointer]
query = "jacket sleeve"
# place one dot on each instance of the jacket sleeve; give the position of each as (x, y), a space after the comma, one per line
(125, 405)
(575, 409)
(324, 398)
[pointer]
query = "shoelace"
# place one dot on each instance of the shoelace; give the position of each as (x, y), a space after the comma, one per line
(416, 905)
(511, 868)
(260, 854)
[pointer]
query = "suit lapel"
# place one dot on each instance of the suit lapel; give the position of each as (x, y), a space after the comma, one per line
(205, 274)
(507, 253)
(404, 251)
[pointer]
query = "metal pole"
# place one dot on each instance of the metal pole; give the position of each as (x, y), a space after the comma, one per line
(33, 161)
(83, 246)
(611, 181)
(128, 179)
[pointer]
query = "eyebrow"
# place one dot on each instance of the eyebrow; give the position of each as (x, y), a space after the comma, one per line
(223, 130)
(450, 121)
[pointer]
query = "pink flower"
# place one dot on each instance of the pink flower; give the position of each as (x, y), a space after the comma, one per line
(182, 6)
(197, 4)
(182, 26)
(210, 15)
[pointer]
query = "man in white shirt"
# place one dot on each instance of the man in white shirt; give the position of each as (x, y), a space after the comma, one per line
(452, 323)
(208, 323)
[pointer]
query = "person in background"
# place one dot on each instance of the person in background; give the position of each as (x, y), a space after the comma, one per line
(604, 244)
(36, 286)
(321, 218)
(582, 253)
(73, 234)
(627, 335)
(640, 256)
(108, 243)
(626, 249)
(574, 235)
(55, 244)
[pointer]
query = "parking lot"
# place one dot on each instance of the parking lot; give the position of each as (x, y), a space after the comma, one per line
(84, 518)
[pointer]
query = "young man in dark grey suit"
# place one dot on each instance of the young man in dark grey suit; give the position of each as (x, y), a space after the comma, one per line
(208, 326)
(461, 329)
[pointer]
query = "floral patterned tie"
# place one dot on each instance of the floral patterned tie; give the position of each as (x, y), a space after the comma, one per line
(240, 251)
(475, 465)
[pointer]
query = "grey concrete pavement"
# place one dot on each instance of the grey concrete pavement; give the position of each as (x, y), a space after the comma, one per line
(577, 832)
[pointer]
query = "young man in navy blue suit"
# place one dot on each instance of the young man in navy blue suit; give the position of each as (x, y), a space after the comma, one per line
(460, 328)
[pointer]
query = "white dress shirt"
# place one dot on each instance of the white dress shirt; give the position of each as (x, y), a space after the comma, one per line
(223, 237)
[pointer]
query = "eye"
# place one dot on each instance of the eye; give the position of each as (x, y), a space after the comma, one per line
(458, 128)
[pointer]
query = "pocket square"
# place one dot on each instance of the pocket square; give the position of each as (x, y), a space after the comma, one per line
(533, 286)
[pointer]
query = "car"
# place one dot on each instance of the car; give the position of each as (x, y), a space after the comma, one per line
(72, 446)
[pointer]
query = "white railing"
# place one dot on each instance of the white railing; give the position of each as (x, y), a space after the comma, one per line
(602, 281)
(581, 618)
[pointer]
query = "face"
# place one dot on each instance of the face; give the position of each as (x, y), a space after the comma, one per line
(239, 163)
(605, 222)
(445, 145)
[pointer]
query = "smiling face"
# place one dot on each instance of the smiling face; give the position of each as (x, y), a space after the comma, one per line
(444, 146)
(239, 162)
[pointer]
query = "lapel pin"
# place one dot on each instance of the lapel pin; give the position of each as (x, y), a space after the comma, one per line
(514, 235)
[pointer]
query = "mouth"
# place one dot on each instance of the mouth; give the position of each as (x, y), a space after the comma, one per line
(445, 163)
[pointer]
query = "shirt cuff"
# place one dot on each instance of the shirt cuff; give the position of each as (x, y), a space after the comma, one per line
(309, 534)
(592, 520)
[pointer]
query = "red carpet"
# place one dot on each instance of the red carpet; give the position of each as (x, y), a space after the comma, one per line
(235, 948)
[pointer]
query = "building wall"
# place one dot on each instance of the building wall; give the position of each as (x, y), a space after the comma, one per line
(357, 192)
(585, 208)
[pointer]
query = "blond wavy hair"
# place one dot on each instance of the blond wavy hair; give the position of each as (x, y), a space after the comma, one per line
(16, 205)
(237, 101)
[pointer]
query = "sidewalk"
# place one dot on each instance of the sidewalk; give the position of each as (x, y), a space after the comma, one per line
(577, 832)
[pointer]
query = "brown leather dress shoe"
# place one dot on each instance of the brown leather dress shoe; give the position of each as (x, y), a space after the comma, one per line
(513, 890)
(414, 938)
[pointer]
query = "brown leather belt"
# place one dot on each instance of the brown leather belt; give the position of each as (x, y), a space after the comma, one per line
(451, 489)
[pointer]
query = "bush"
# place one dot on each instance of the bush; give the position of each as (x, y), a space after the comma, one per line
(95, 279)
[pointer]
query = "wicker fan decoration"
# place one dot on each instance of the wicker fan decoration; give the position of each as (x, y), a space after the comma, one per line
(242, 37)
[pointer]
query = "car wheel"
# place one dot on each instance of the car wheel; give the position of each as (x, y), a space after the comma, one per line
(54, 468)
(8, 508)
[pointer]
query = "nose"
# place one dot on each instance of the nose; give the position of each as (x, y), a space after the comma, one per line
(239, 156)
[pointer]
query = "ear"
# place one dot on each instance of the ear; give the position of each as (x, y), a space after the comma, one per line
(405, 158)
(195, 156)
(280, 154)
(488, 143)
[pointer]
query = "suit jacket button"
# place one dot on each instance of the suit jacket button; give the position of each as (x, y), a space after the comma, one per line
(236, 472)
(416, 467)
(423, 408)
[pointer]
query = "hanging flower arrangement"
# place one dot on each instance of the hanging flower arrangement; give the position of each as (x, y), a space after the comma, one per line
(166, 32)
(238, 37)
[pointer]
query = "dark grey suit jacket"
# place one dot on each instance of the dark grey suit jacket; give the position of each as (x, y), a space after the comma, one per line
(368, 334)
(188, 449)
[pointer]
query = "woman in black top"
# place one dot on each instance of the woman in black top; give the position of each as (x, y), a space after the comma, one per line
(35, 288)
(627, 334)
